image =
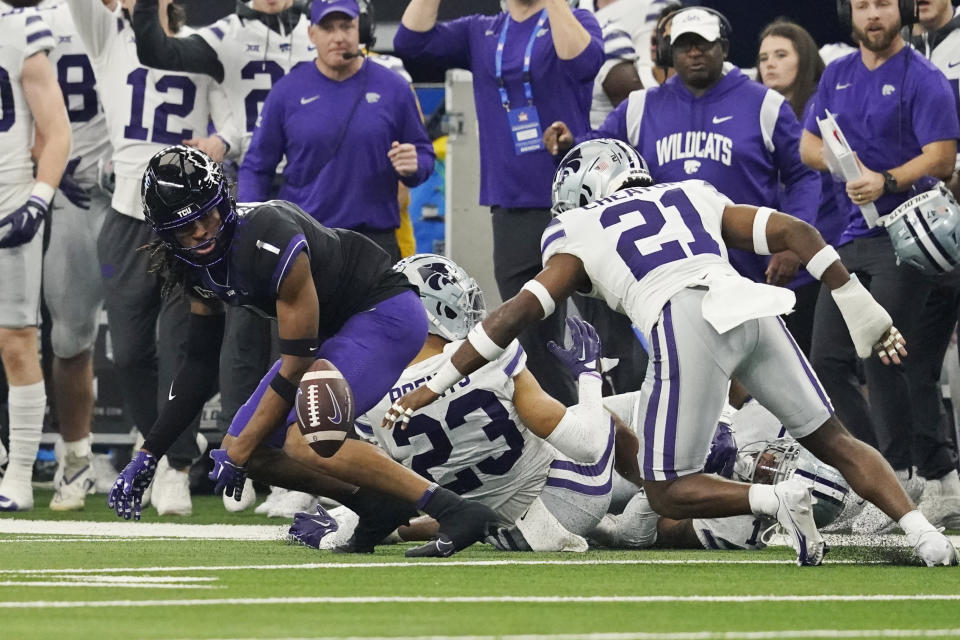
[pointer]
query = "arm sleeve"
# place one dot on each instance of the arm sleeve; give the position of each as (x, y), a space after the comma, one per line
(801, 184)
(266, 149)
(156, 50)
(412, 130)
(585, 66)
(446, 45)
(94, 24)
(194, 384)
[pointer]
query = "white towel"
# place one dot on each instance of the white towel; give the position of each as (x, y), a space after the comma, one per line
(732, 300)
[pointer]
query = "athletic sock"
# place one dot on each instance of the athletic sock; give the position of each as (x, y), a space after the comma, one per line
(78, 448)
(763, 500)
(26, 404)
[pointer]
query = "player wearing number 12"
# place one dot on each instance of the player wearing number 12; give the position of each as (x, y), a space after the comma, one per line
(659, 255)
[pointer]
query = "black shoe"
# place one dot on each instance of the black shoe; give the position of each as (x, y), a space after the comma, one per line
(380, 515)
(461, 521)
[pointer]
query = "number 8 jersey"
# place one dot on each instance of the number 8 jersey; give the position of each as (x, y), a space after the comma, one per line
(640, 246)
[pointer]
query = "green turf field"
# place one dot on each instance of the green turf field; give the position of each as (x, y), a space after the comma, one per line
(115, 584)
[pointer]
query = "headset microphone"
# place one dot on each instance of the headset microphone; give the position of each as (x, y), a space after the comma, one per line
(350, 55)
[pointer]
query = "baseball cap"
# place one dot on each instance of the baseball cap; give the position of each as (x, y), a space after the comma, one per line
(322, 8)
(703, 23)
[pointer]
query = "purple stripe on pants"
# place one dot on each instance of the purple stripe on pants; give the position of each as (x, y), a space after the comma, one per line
(650, 422)
(673, 401)
(371, 350)
(806, 367)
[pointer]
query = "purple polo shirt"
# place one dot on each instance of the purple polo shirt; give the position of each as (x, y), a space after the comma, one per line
(562, 90)
(886, 115)
(307, 116)
(739, 136)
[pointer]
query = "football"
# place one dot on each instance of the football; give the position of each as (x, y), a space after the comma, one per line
(325, 407)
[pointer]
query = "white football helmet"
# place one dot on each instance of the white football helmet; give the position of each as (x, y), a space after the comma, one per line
(925, 231)
(453, 300)
(595, 169)
(781, 459)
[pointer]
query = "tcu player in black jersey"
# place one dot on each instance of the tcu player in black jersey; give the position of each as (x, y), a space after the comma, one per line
(334, 296)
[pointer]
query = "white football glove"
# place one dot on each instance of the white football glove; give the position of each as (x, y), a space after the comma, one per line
(933, 548)
(866, 320)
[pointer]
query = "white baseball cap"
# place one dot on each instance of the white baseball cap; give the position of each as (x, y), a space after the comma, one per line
(703, 23)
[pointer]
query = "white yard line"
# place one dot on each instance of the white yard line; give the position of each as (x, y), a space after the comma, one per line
(125, 529)
(59, 604)
(677, 635)
(126, 585)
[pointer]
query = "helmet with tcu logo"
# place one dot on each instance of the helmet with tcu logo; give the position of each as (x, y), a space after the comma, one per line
(182, 185)
(925, 231)
(453, 300)
(595, 169)
(781, 459)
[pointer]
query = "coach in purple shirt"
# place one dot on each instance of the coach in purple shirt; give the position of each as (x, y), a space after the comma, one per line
(350, 128)
(899, 115)
(533, 64)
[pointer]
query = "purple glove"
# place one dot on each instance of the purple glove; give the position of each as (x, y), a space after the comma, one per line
(584, 355)
(126, 496)
(723, 452)
(228, 475)
(23, 223)
(71, 189)
(310, 528)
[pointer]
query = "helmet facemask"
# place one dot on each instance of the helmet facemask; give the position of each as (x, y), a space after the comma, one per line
(453, 300)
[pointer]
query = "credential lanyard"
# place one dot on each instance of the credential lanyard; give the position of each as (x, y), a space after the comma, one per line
(527, 87)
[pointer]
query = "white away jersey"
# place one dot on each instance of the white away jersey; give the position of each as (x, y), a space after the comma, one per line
(24, 33)
(146, 109)
(91, 141)
(640, 246)
(617, 48)
(254, 57)
(471, 439)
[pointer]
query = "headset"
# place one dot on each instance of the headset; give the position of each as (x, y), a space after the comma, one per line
(664, 56)
(368, 24)
(909, 13)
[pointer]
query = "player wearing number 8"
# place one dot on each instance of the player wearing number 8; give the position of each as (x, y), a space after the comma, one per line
(658, 253)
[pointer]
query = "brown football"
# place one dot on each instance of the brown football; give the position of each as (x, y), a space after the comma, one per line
(325, 407)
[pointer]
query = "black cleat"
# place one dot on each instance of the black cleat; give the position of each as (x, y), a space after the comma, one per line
(461, 521)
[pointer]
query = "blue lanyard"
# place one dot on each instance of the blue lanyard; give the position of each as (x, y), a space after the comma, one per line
(527, 87)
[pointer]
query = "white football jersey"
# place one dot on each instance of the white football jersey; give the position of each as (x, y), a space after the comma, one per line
(617, 48)
(146, 109)
(24, 33)
(946, 57)
(640, 246)
(91, 141)
(254, 57)
(471, 439)
(734, 532)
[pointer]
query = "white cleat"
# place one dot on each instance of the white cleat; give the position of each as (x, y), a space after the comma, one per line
(272, 498)
(171, 490)
(291, 503)
(933, 548)
(347, 522)
(795, 515)
(247, 498)
(16, 496)
(72, 482)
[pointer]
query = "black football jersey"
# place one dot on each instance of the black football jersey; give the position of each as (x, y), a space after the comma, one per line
(351, 273)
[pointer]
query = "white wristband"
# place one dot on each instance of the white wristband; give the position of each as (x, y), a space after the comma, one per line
(43, 191)
(760, 231)
(821, 260)
(486, 347)
(446, 376)
(540, 291)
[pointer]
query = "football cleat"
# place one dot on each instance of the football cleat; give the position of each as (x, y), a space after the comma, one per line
(795, 515)
(74, 480)
(309, 529)
(171, 490)
(461, 524)
(249, 496)
(15, 496)
(291, 503)
(272, 498)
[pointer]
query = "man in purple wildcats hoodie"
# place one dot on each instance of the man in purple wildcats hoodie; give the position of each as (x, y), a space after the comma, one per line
(711, 122)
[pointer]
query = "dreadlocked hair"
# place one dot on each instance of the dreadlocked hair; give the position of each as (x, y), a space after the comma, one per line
(163, 262)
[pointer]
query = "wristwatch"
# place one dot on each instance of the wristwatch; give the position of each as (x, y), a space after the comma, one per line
(889, 182)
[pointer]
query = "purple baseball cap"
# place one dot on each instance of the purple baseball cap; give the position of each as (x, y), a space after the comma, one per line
(323, 8)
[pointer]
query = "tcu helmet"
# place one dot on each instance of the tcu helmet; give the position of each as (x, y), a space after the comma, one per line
(925, 231)
(453, 300)
(781, 459)
(595, 169)
(182, 185)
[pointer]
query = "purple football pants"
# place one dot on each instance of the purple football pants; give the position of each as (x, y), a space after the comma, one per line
(371, 350)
